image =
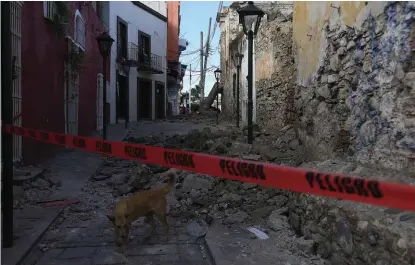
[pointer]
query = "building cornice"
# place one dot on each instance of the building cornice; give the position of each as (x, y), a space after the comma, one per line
(150, 10)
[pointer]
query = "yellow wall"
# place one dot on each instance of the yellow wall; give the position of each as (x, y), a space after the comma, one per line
(309, 19)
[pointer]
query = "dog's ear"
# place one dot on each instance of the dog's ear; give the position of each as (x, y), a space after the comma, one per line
(111, 218)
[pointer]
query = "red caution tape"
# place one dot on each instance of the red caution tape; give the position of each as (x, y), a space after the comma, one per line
(358, 189)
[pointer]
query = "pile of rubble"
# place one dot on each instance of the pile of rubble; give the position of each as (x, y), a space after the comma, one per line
(333, 229)
(33, 185)
(330, 228)
(210, 197)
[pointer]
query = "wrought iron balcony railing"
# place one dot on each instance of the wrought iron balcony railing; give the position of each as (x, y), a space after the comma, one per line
(145, 62)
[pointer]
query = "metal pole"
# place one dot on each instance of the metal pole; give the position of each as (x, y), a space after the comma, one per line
(203, 73)
(104, 99)
(217, 103)
(190, 90)
(6, 138)
(201, 84)
(127, 114)
(250, 85)
(238, 68)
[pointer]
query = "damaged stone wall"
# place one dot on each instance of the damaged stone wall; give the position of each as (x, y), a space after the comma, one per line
(273, 86)
(275, 71)
(228, 23)
(360, 101)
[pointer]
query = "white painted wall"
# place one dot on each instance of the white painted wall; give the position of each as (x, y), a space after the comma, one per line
(138, 20)
(159, 6)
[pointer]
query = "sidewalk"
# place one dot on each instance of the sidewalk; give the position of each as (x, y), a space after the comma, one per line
(73, 169)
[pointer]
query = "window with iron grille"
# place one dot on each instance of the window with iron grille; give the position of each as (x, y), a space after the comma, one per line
(79, 33)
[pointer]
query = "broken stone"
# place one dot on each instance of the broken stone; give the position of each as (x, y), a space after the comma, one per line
(334, 63)
(230, 197)
(323, 91)
(306, 246)
(41, 184)
(100, 177)
(332, 79)
(351, 45)
(295, 221)
(238, 217)
(341, 52)
(277, 222)
(195, 181)
(247, 186)
(373, 104)
(399, 72)
(197, 228)
(139, 176)
(293, 144)
(262, 212)
(122, 190)
(409, 79)
(344, 237)
(268, 153)
(279, 201)
(343, 42)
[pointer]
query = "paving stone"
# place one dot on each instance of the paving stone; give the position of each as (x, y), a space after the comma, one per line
(66, 262)
(108, 256)
(158, 239)
(76, 253)
(157, 249)
(49, 255)
(190, 252)
(153, 259)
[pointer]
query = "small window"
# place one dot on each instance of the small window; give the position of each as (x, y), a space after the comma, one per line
(79, 33)
(49, 9)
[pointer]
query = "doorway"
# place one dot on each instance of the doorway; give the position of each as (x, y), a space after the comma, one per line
(122, 100)
(144, 98)
(160, 100)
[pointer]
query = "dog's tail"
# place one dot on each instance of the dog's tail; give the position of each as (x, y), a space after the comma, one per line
(170, 183)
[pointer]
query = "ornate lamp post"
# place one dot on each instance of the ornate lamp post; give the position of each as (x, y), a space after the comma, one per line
(104, 43)
(217, 76)
(250, 18)
(237, 59)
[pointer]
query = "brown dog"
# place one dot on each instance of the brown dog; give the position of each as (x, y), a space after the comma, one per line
(146, 203)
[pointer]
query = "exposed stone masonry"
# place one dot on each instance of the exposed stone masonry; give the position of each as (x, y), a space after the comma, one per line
(361, 100)
(275, 95)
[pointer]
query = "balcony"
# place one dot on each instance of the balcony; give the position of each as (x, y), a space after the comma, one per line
(145, 62)
(129, 55)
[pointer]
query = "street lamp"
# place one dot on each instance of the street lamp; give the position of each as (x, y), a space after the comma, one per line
(237, 60)
(250, 17)
(126, 68)
(104, 44)
(217, 76)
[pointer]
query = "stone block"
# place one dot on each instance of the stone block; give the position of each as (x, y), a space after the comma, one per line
(158, 249)
(77, 253)
(190, 252)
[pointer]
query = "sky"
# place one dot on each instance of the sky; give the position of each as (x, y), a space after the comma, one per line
(195, 18)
